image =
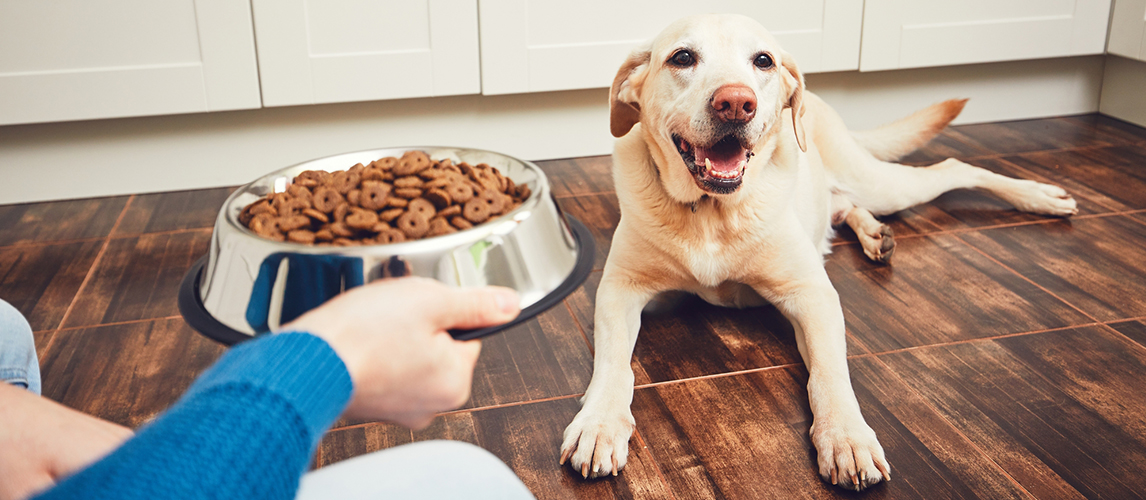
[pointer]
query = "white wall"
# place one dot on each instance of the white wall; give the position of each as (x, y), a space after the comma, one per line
(1124, 90)
(137, 155)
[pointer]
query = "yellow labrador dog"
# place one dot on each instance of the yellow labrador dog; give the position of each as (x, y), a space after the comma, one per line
(730, 176)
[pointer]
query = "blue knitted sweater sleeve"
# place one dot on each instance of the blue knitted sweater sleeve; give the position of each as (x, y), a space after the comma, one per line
(246, 428)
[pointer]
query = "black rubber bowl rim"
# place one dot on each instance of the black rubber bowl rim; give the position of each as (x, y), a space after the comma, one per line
(191, 303)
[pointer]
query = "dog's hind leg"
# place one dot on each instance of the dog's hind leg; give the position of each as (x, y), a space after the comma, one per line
(876, 237)
(885, 188)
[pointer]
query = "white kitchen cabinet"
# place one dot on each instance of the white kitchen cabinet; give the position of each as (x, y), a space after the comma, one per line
(542, 45)
(83, 59)
(318, 51)
(913, 34)
(1128, 29)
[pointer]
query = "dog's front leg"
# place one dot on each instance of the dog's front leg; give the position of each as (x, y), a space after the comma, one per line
(597, 441)
(849, 454)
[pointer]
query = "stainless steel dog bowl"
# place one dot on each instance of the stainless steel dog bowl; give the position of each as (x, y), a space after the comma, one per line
(247, 285)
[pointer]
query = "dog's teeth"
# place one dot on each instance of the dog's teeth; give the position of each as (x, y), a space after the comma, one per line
(708, 165)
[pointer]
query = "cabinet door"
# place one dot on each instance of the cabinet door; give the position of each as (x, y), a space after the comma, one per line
(913, 34)
(1128, 29)
(315, 51)
(83, 59)
(540, 45)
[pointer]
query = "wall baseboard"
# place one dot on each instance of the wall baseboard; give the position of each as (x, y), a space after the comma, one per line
(1124, 90)
(166, 153)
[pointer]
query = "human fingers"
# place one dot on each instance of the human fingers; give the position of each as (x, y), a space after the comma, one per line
(472, 307)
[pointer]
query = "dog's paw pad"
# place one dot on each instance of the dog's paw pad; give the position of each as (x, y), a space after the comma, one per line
(879, 245)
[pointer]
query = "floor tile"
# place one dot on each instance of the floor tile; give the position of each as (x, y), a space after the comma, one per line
(1094, 264)
(1134, 330)
(526, 437)
(156, 212)
(746, 436)
(600, 214)
(545, 357)
(946, 145)
(1037, 135)
(138, 278)
(938, 289)
(59, 220)
(542, 358)
(40, 281)
(125, 373)
(1111, 177)
(1060, 412)
(966, 208)
(683, 337)
(579, 176)
(1118, 130)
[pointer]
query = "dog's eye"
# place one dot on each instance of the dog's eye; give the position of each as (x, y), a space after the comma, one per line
(682, 58)
(763, 61)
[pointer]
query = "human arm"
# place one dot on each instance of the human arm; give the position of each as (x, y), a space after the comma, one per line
(249, 425)
(42, 441)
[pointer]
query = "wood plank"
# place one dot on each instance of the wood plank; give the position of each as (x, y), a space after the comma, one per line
(1094, 264)
(156, 212)
(41, 281)
(715, 437)
(579, 176)
(1060, 411)
(962, 209)
(138, 278)
(601, 214)
(125, 373)
(683, 337)
(938, 290)
(1112, 177)
(526, 437)
(59, 220)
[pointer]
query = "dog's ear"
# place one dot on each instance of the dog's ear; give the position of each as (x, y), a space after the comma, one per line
(624, 109)
(795, 81)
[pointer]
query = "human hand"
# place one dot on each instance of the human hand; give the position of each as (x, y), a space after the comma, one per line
(42, 441)
(391, 334)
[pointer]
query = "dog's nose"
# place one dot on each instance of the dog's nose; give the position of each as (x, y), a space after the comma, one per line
(734, 103)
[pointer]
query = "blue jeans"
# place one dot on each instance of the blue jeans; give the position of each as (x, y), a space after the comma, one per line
(19, 365)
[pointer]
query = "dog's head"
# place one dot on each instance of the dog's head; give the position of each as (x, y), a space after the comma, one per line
(708, 91)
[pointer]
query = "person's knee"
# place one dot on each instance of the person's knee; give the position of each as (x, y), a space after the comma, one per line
(18, 362)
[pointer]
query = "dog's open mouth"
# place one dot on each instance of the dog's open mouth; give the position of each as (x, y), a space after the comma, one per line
(717, 168)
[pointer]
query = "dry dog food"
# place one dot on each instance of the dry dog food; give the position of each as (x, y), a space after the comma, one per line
(389, 201)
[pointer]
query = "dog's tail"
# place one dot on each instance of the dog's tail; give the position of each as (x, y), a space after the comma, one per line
(899, 138)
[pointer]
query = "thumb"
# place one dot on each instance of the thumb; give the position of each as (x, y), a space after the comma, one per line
(467, 308)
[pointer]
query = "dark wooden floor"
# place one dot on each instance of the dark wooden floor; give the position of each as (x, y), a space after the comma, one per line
(1000, 355)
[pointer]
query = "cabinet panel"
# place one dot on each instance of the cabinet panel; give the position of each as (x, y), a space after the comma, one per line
(73, 60)
(536, 45)
(356, 50)
(911, 34)
(1128, 29)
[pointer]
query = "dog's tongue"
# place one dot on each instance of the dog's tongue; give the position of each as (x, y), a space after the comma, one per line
(726, 155)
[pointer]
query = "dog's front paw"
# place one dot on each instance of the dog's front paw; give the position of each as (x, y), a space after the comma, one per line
(849, 455)
(597, 442)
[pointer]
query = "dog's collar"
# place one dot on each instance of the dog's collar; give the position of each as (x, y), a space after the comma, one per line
(695, 203)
